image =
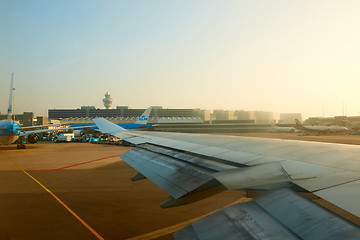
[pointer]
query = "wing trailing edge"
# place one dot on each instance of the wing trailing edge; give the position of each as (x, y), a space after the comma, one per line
(281, 214)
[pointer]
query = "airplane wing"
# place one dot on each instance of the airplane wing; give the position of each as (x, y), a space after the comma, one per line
(191, 167)
(27, 133)
(39, 126)
(32, 129)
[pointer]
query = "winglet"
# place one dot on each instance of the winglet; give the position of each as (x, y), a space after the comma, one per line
(106, 126)
(143, 119)
(10, 108)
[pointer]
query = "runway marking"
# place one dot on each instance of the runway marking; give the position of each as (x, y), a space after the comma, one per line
(57, 199)
(61, 168)
(176, 227)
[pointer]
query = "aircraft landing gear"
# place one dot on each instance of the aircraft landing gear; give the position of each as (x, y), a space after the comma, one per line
(21, 145)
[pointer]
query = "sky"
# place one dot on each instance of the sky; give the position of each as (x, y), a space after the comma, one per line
(280, 56)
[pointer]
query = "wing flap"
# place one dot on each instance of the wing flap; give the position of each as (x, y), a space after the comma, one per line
(346, 196)
(236, 222)
(256, 177)
(175, 177)
(282, 214)
(136, 140)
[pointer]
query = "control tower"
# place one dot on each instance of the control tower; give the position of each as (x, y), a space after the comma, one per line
(107, 100)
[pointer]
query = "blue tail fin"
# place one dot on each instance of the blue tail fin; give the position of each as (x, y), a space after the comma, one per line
(143, 119)
(10, 109)
(299, 125)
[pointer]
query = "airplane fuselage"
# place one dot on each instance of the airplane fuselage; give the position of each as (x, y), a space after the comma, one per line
(331, 129)
(325, 129)
(133, 125)
(283, 129)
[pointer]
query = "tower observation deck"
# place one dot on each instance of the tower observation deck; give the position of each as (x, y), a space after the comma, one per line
(107, 100)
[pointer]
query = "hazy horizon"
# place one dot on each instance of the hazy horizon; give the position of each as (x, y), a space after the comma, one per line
(278, 56)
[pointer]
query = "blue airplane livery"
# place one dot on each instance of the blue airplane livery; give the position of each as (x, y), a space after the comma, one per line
(10, 131)
(141, 123)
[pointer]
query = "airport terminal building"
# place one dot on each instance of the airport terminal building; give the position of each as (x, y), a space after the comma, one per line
(126, 112)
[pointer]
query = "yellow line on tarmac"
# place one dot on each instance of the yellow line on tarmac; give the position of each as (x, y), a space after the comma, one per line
(57, 199)
(167, 230)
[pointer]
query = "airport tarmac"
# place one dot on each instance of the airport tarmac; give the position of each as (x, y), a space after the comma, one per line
(83, 191)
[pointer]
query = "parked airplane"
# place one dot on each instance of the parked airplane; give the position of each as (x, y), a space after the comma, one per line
(191, 167)
(283, 129)
(322, 129)
(10, 131)
(141, 123)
